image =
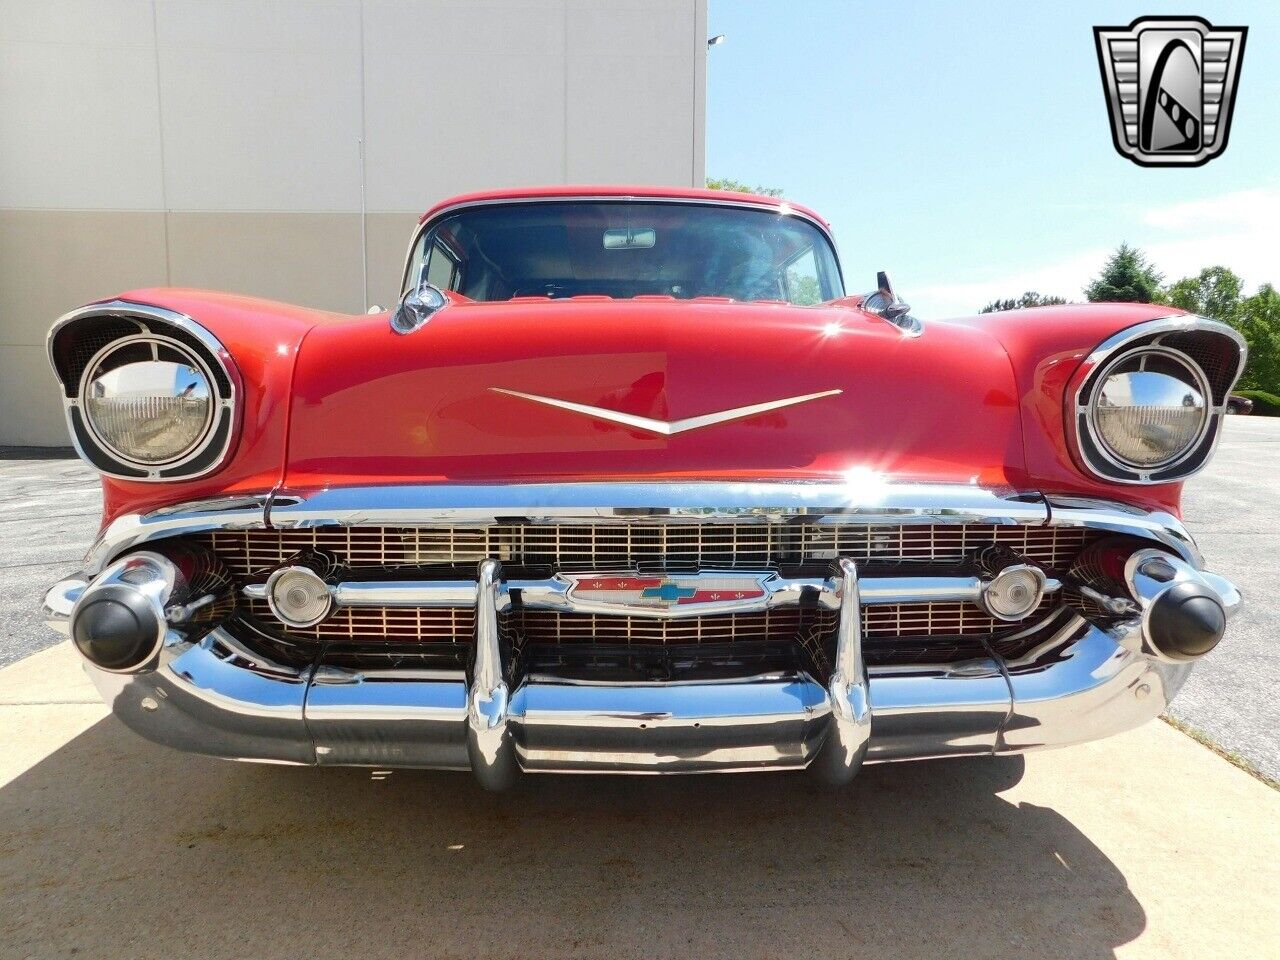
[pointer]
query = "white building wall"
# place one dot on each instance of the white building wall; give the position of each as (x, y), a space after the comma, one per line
(217, 143)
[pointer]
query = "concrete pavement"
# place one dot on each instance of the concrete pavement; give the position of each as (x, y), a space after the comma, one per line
(1144, 845)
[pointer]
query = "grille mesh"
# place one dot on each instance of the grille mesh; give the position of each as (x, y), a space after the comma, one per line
(92, 336)
(1217, 356)
(944, 619)
(550, 626)
(627, 546)
(404, 624)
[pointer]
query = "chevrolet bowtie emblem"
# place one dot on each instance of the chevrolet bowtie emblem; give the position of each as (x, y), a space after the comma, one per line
(635, 593)
(663, 427)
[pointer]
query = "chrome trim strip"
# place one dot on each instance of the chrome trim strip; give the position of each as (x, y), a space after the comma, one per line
(130, 530)
(556, 593)
(1116, 517)
(861, 500)
(1112, 348)
(129, 309)
(427, 594)
(668, 428)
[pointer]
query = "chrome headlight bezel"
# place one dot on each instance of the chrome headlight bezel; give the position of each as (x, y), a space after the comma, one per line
(1194, 378)
(80, 340)
(99, 367)
(1208, 354)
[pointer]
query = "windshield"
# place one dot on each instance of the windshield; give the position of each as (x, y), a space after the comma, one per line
(626, 249)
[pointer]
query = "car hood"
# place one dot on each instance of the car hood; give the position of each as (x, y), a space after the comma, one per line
(442, 403)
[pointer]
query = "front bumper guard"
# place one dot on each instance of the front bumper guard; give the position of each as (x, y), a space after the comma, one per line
(216, 697)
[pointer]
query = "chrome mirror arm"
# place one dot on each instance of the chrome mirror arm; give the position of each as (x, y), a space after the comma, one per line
(883, 302)
(417, 307)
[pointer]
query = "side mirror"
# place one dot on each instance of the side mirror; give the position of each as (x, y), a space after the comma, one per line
(884, 302)
(417, 307)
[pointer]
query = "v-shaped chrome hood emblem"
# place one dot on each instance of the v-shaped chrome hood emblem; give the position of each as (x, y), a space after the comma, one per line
(663, 427)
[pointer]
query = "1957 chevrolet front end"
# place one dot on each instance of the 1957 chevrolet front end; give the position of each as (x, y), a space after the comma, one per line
(628, 483)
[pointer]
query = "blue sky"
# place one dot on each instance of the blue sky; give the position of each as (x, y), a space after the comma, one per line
(965, 147)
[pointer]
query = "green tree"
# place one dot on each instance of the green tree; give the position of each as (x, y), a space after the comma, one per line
(803, 289)
(1258, 319)
(1028, 299)
(737, 186)
(1214, 293)
(1126, 277)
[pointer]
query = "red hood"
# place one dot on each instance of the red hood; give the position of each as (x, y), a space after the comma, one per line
(372, 406)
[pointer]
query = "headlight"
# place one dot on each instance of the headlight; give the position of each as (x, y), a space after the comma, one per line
(149, 401)
(1150, 409)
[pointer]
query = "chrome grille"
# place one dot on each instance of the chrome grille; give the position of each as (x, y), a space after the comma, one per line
(943, 619)
(406, 624)
(627, 546)
(900, 633)
(550, 626)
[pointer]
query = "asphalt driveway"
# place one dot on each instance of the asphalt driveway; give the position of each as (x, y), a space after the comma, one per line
(49, 511)
(1233, 511)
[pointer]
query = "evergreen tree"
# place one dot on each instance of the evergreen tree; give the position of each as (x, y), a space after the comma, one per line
(1126, 277)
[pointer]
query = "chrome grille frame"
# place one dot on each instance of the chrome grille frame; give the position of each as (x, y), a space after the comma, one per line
(926, 522)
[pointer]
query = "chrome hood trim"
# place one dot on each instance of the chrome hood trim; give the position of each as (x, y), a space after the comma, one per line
(667, 428)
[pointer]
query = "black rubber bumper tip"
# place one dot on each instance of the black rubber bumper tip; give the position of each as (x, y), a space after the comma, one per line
(1186, 621)
(116, 632)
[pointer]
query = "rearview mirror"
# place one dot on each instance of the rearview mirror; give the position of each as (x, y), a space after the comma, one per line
(630, 238)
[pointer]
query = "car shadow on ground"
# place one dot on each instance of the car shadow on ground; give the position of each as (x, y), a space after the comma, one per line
(114, 847)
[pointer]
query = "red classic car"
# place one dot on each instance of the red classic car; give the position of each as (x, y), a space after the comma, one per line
(630, 482)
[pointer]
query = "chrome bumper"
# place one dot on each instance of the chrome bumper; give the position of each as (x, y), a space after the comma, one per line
(209, 698)
(217, 697)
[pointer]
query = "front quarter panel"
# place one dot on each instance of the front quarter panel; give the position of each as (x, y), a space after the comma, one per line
(262, 339)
